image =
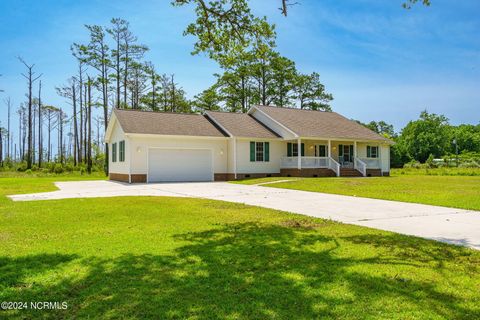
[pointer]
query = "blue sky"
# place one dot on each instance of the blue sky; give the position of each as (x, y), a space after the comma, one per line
(380, 62)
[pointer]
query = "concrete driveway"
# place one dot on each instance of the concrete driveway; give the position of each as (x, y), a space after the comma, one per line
(450, 225)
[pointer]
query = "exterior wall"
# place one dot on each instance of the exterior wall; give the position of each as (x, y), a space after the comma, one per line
(335, 145)
(230, 157)
(385, 157)
(310, 146)
(139, 145)
(138, 178)
(374, 173)
(267, 121)
(123, 177)
(119, 167)
(278, 149)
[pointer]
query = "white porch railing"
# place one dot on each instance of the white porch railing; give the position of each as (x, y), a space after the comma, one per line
(360, 166)
(314, 162)
(334, 165)
(306, 162)
(371, 163)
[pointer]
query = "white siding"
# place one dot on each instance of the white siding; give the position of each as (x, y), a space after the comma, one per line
(230, 156)
(244, 165)
(141, 144)
(385, 157)
(117, 136)
(384, 153)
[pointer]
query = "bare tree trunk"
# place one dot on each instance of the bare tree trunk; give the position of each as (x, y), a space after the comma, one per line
(174, 107)
(8, 128)
(89, 118)
(60, 142)
(40, 146)
(79, 144)
(33, 135)
(20, 134)
(85, 104)
(49, 153)
(75, 130)
(30, 80)
(29, 143)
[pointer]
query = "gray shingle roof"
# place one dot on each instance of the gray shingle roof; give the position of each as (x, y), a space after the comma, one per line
(164, 123)
(241, 125)
(320, 124)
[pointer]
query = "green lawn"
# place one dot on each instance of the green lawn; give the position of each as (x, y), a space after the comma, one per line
(449, 191)
(161, 258)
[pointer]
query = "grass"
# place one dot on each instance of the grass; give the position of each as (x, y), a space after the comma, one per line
(442, 171)
(448, 191)
(18, 182)
(175, 258)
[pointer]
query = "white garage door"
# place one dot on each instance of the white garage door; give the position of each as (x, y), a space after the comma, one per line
(179, 165)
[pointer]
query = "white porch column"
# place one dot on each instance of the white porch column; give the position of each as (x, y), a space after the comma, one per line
(354, 154)
(299, 154)
(329, 148)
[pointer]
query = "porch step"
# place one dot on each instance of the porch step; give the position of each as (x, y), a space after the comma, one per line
(349, 172)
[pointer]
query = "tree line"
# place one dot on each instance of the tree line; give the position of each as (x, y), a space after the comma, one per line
(112, 73)
(431, 136)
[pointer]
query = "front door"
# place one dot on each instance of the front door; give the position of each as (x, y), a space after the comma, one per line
(345, 155)
(321, 150)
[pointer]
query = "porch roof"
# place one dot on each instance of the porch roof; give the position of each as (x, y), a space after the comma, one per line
(315, 124)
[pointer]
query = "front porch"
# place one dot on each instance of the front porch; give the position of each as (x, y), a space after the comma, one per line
(331, 158)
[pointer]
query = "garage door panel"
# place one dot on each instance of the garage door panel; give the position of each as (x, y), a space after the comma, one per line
(180, 165)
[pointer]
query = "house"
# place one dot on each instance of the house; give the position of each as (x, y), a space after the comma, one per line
(267, 141)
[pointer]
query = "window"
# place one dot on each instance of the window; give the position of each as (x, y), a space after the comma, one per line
(295, 150)
(121, 153)
(292, 149)
(372, 151)
(114, 152)
(259, 151)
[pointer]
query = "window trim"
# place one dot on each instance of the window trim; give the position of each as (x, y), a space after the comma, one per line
(370, 153)
(121, 151)
(290, 148)
(114, 152)
(265, 152)
(259, 151)
(294, 152)
(317, 150)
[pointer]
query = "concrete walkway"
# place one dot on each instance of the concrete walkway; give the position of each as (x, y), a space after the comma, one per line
(450, 225)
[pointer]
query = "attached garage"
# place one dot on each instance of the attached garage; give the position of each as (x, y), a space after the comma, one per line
(167, 165)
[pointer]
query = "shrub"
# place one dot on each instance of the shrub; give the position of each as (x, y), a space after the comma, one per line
(22, 166)
(413, 164)
(58, 168)
(429, 162)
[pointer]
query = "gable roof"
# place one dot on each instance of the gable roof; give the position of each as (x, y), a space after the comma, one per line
(319, 124)
(241, 125)
(165, 123)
